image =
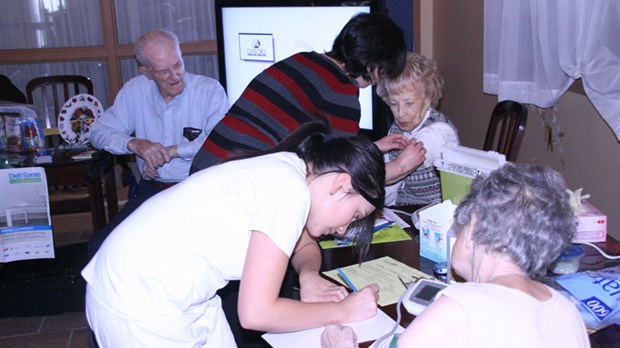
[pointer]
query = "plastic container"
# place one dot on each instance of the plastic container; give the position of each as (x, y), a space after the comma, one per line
(568, 262)
(459, 165)
(454, 186)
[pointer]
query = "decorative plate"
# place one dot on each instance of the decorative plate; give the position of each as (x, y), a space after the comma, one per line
(77, 116)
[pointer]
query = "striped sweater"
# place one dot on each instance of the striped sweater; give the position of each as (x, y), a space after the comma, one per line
(291, 92)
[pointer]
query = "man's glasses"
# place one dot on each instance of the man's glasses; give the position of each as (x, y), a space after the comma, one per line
(164, 73)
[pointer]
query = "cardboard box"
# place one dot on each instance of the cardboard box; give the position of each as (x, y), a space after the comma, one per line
(591, 224)
(435, 222)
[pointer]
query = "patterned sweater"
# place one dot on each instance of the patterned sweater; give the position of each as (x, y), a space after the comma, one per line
(422, 186)
(293, 91)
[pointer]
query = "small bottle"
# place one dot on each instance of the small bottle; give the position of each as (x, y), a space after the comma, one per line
(30, 137)
(3, 142)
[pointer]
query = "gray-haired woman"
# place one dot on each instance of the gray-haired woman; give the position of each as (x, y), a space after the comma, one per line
(510, 227)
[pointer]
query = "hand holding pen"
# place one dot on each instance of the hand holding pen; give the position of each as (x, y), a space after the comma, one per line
(361, 304)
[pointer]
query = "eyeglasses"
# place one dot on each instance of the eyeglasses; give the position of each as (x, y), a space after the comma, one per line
(164, 73)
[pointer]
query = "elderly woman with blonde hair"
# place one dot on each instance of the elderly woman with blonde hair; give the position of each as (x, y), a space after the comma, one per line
(413, 97)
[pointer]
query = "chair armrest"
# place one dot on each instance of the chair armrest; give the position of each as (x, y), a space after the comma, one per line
(103, 161)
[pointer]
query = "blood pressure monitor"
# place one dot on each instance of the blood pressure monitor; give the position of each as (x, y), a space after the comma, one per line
(421, 294)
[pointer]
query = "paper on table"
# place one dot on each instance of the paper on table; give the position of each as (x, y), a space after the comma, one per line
(385, 272)
(367, 330)
(84, 155)
(391, 215)
(389, 227)
(391, 233)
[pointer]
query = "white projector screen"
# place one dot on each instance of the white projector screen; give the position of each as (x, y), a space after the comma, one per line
(250, 39)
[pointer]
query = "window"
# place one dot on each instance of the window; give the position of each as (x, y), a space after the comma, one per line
(53, 37)
(534, 50)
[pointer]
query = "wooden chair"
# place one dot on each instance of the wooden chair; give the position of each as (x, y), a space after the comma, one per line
(49, 94)
(75, 186)
(506, 129)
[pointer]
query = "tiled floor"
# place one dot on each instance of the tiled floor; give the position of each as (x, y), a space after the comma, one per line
(67, 330)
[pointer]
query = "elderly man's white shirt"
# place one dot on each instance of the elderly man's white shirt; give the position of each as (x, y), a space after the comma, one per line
(139, 111)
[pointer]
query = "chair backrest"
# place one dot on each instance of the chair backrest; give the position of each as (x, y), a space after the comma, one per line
(506, 129)
(49, 94)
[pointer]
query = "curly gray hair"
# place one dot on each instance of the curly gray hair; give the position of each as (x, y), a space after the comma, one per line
(522, 211)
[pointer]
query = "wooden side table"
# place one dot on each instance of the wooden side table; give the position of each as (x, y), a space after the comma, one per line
(96, 174)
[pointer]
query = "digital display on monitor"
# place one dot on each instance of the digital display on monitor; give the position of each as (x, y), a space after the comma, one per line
(252, 35)
(427, 292)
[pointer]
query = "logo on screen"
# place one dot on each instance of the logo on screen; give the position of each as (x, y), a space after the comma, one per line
(256, 50)
(257, 47)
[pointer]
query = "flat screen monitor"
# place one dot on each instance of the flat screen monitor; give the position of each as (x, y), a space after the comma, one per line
(253, 34)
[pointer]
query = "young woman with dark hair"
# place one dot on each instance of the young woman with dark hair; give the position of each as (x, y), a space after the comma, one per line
(153, 282)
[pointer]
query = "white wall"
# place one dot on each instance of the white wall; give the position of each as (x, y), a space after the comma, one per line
(591, 156)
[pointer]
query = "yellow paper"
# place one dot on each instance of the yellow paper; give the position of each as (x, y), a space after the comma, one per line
(392, 233)
(385, 272)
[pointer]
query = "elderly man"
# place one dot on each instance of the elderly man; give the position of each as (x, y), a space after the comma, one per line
(162, 116)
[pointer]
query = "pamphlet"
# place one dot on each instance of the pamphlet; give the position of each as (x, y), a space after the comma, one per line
(596, 295)
(389, 233)
(25, 221)
(389, 227)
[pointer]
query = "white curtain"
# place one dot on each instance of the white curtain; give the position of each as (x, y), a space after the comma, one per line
(191, 20)
(534, 50)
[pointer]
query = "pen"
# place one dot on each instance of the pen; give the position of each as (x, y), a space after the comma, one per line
(382, 226)
(346, 279)
(403, 282)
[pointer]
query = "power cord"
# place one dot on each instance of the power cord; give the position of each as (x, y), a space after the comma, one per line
(605, 255)
(378, 342)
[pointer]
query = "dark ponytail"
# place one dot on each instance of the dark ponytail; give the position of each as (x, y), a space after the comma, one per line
(357, 156)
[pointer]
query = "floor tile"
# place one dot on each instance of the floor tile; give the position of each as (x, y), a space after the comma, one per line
(64, 322)
(58, 339)
(19, 326)
(79, 338)
(67, 330)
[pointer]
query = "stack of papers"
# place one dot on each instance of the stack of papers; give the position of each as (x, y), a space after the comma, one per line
(84, 155)
(367, 330)
(43, 159)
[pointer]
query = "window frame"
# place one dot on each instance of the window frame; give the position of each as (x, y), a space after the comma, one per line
(111, 52)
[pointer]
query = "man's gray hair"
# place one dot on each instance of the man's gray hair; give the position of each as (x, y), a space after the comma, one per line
(153, 36)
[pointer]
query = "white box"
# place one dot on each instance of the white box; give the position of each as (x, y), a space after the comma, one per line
(591, 224)
(25, 222)
(435, 222)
